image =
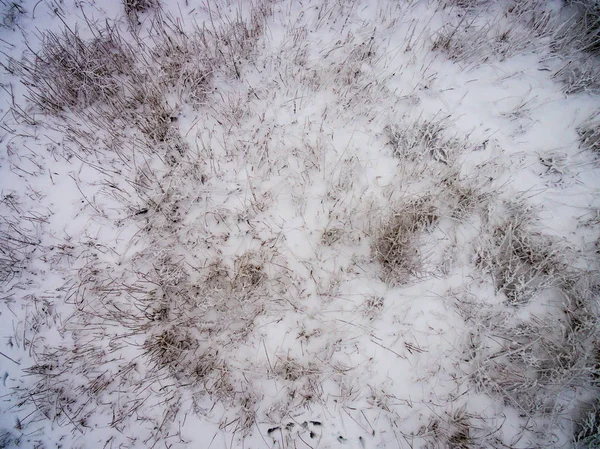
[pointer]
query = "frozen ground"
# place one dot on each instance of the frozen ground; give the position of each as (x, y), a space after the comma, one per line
(300, 224)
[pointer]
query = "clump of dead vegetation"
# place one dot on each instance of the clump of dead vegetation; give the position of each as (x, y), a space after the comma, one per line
(582, 29)
(19, 239)
(570, 33)
(587, 427)
(538, 349)
(116, 99)
(169, 348)
(462, 197)
(133, 8)
(184, 303)
(539, 362)
(424, 140)
(70, 72)
(395, 242)
(453, 430)
(521, 261)
(589, 136)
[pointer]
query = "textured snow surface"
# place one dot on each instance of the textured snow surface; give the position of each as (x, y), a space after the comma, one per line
(299, 224)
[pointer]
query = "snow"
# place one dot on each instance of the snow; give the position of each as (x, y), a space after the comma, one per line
(219, 287)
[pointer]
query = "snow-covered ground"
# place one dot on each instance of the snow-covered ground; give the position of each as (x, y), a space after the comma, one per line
(300, 224)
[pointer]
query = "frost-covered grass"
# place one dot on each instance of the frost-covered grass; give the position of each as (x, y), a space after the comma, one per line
(284, 224)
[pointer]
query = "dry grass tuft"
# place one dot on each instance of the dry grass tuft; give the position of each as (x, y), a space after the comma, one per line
(169, 348)
(538, 362)
(462, 196)
(422, 141)
(459, 430)
(177, 310)
(138, 6)
(583, 28)
(331, 235)
(18, 239)
(522, 262)
(395, 243)
(587, 428)
(580, 75)
(373, 306)
(589, 137)
(183, 59)
(293, 370)
(70, 72)
(247, 413)
(249, 273)
(452, 430)
(539, 356)
(465, 39)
